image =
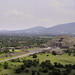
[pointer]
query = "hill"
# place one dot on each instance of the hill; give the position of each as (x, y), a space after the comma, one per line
(68, 28)
(34, 30)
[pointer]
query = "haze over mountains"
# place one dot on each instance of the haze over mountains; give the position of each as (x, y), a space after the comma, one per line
(68, 28)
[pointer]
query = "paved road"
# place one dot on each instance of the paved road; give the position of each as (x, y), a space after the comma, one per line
(33, 51)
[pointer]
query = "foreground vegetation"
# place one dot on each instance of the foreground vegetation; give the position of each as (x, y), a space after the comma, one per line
(40, 64)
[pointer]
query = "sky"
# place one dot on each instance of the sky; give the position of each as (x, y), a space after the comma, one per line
(23, 14)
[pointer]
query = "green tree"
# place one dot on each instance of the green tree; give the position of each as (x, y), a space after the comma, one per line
(5, 65)
(54, 53)
(34, 56)
(13, 50)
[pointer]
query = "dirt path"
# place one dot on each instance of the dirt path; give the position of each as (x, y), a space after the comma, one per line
(33, 51)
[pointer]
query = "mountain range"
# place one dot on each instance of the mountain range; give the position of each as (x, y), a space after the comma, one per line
(68, 28)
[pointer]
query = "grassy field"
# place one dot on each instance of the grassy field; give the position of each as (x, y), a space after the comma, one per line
(16, 50)
(63, 59)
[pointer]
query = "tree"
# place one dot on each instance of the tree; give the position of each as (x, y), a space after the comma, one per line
(13, 50)
(65, 73)
(18, 70)
(23, 67)
(54, 53)
(44, 70)
(0, 45)
(26, 70)
(34, 56)
(38, 73)
(50, 73)
(35, 62)
(5, 65)
(27, 63)
(6, 50)
(69, 53)
(55, 64)
(56, 72)
(33, 72)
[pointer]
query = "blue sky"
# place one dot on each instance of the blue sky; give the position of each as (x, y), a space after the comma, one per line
(22, 14)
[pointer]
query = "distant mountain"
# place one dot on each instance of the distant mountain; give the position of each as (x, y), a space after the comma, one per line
(35, 29)
(31, 30)
(68, 28)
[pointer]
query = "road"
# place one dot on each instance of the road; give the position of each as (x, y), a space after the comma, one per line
(33, 51)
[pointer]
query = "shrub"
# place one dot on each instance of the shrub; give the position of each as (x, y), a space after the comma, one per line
(27, 71)
(54, 53)
(18, 70)
(33, 72)
(5, 65)
(34, 56)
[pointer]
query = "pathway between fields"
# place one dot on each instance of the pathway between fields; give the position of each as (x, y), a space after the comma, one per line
(33, 51)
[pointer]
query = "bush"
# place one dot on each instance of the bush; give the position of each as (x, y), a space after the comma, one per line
(50, 73)
(54, 53)
(5, 65)
(35, 62)
(44, 70)
(56, 72)
(23, 67)
(18, 70)
(15, 60)
(34, 56)
(33, 72)
(38, 73)
(65, 73)
(47, 55)
(0, 64)
(27, 71)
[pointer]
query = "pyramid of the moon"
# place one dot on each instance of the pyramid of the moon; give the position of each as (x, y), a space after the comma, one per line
(62, 41)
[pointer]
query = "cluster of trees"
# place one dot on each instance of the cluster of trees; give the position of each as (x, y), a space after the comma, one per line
(70, 51)
(15, 60)
(14, 41)
(43, 67)
(27, 64)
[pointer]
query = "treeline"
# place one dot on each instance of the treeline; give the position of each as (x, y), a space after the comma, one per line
(14, 41)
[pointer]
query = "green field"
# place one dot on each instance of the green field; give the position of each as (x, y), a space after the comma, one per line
(63, 59)
(16, 50)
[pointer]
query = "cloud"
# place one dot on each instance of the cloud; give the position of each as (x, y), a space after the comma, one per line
(13, 12)
(15, 15)
(45, 20)
(28, 16)
(36, 12)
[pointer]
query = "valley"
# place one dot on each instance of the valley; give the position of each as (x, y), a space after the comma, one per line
(45, 55)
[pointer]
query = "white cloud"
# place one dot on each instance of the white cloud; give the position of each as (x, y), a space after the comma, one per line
(37, 12)
(28, 16)
(45, 20)
(14, 12)
(15, 15)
